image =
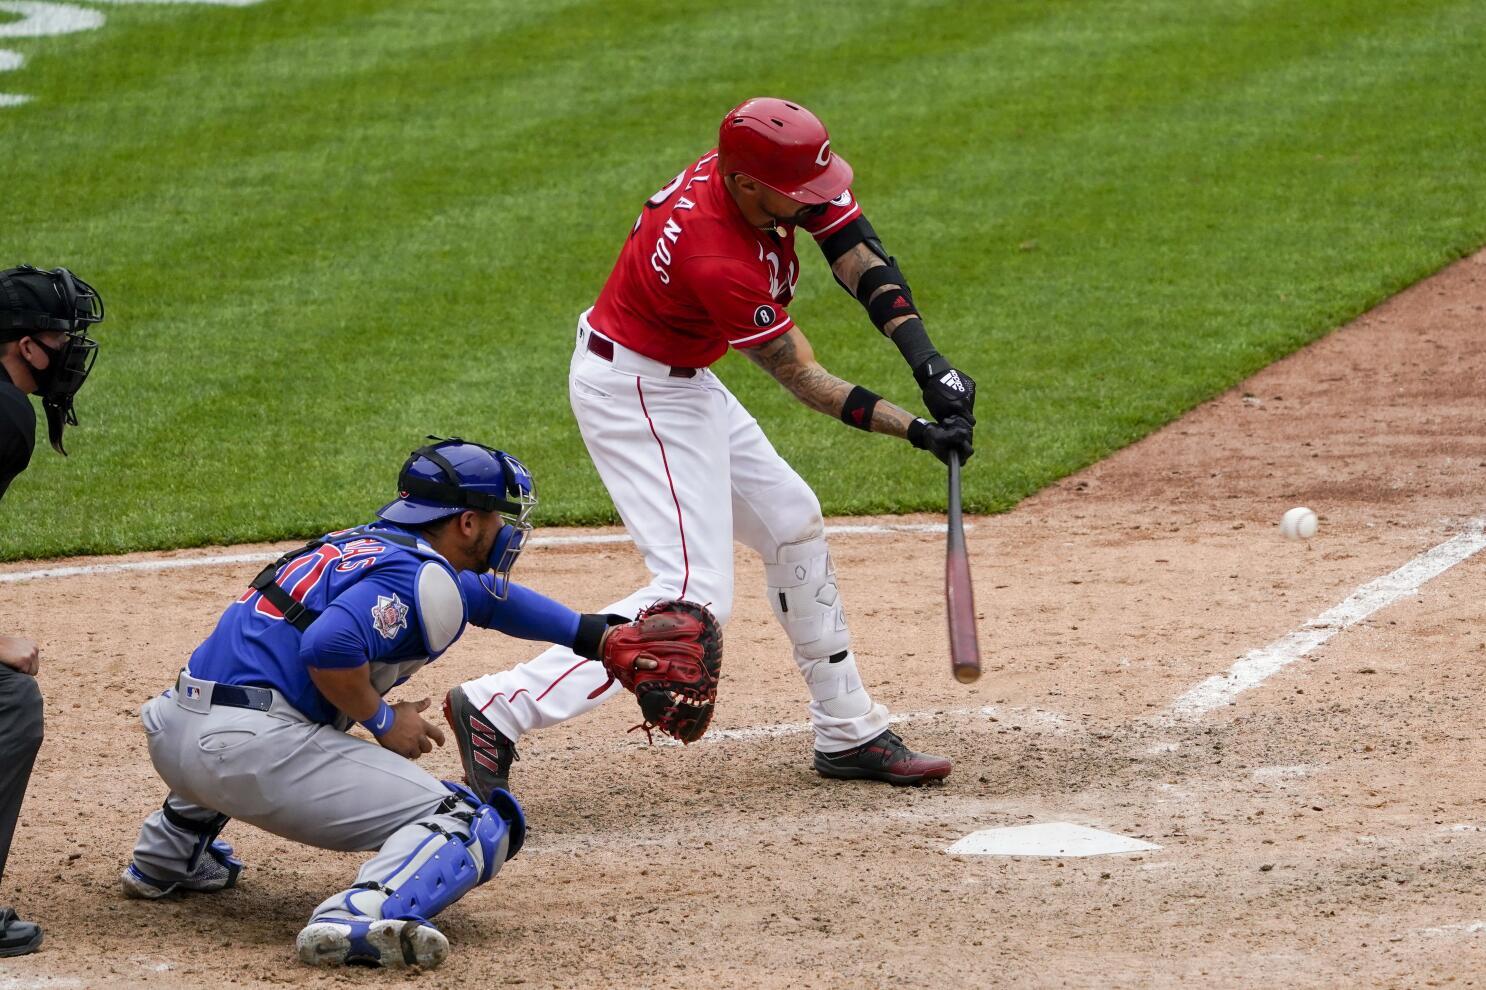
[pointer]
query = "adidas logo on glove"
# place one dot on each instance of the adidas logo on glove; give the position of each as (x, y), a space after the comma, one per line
(952, 379)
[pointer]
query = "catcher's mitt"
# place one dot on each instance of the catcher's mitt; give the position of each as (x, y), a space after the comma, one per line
(685, 641)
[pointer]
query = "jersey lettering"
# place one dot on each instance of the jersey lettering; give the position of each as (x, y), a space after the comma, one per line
(660, 258)
(358, 554)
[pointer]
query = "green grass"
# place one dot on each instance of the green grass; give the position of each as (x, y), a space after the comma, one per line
(326, 229)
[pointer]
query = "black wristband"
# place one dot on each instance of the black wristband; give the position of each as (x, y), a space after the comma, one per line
(935, 366)
(591, 629)
(913, 343)
(858, 408)
(916, 433)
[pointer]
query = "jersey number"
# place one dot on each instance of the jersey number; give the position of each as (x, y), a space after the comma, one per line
(665, 194)
(301, 574)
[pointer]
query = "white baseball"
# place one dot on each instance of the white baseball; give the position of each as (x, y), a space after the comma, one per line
(1298, 524)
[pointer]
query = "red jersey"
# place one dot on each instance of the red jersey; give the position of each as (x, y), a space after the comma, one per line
(695, 276)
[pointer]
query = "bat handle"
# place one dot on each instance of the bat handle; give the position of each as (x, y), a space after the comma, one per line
(954, 484)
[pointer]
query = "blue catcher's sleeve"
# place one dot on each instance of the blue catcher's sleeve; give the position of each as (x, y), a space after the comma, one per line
(366, 623)
(524, 613)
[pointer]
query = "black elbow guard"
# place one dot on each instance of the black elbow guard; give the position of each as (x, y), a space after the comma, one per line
(882, 308)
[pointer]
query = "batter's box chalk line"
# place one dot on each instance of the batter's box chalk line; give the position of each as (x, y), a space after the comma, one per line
(1257, 666)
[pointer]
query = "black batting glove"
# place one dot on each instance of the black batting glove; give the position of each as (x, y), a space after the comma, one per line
(948, 392)
(953, 436)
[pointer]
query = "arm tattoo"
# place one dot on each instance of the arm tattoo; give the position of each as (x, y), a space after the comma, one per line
(791, 361)
(890, 419)
(850, 266)
(800, 374)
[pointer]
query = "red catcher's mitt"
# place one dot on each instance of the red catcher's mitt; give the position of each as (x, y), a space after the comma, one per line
(685, 641)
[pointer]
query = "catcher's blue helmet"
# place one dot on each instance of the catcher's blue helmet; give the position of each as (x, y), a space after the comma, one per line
(455, 475)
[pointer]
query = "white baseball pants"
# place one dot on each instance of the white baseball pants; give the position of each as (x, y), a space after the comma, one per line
(689, 471)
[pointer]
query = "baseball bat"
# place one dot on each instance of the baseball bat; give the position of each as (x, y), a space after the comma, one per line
(959, 593)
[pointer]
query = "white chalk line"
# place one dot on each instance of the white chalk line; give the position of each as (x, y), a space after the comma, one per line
(1035, 719)
(262, 556)
(1462, 928)
(1257, 666)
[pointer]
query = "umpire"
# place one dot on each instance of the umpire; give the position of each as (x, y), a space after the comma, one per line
(45, 350)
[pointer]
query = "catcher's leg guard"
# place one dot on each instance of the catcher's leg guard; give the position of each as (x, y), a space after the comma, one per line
(429, 864)
(803, 594)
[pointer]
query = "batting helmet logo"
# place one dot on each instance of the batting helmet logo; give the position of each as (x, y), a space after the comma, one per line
(823, 157)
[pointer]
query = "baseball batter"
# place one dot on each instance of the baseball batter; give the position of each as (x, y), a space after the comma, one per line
(710, 264)
(254, 726)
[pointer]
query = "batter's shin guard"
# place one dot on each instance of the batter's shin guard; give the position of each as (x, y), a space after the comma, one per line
(803, 593)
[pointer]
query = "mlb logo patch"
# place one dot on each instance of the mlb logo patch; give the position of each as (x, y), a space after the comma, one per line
(193, 692)
(389, 616)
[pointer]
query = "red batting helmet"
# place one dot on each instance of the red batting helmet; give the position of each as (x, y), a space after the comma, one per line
(784, 146)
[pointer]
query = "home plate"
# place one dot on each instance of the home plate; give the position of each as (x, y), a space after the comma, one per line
(1049, 839)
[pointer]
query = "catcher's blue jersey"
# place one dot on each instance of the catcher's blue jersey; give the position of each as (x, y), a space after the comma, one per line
(380, 603)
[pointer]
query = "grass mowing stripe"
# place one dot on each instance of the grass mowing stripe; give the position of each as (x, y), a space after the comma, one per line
(295, 245)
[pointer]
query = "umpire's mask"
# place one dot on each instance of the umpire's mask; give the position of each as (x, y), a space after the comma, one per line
(33, 301)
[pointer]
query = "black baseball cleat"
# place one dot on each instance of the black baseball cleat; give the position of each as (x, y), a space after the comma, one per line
(17, 937)
(883, 758)
(483, 749)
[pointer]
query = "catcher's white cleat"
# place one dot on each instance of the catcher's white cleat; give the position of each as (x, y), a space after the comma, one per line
(396, 942)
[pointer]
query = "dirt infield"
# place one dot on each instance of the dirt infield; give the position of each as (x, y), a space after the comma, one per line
(1327, 827)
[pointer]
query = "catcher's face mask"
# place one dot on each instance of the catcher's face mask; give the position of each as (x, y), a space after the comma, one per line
(66, 304)
(516, 527)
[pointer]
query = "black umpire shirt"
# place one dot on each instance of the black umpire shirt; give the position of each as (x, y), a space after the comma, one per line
(17, 431)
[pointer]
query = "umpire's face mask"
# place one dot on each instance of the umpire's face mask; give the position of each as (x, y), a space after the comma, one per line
(66, 370)
(34, 303)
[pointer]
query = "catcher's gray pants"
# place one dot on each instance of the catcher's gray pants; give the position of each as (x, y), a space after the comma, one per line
(287, 775)
(20, 738)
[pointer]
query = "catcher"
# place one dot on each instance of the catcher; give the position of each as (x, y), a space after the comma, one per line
(254, 726)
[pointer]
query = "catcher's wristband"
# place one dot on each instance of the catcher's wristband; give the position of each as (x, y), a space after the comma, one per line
(591, 628)
(380, 723)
